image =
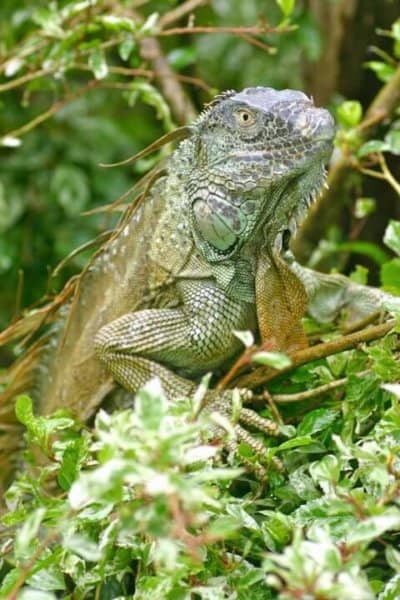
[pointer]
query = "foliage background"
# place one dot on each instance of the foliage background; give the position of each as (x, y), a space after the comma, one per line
(89, 82)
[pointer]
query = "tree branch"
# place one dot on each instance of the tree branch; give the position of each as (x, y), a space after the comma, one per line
(262, 375)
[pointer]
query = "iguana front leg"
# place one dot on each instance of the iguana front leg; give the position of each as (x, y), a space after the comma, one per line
(193, 338)
(333, 296)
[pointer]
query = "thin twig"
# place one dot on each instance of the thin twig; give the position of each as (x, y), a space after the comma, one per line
(271, 401)
(180, 11)
(15, 133)
(315, 392)
(13, 83)
(362, 323)
(389, 177)
(253, 30)
(257, 43)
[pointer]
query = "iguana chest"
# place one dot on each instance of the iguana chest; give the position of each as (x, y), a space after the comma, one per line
(175, 256)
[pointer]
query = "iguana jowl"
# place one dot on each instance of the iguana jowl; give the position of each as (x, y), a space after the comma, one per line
(199, 258)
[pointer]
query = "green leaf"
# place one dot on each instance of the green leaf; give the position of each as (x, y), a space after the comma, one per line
(371, 528)
(392, 138)
(24, 412)
(9, 581)
(396, 30)
(317, 420)
(359, 275)
(29, 593)
(364, 207)
(151, 96)
(48, 579)
(373, 251)
(50, 21)
(277, 529)
(276, 360)
(393, 558)
(390, 276)
(246, 337)
(286, 6)
(97, 63)
(392, 236)
(391, 591)
(69, 467)
(149, 27)
(151, 404)
(349, 113)
(224, 526)
(384, 362)
(180, 58)
(126, 48)
(297, 442)
(371, 147)
(327, 470)
(382, 70)
(28, 534)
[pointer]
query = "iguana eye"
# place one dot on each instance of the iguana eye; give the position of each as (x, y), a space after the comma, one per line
(244, 117)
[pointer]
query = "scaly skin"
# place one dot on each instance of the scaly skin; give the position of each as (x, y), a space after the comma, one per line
(231, 191)
(197, 260)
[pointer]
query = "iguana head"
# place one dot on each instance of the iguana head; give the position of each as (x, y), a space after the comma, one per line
(257, 161)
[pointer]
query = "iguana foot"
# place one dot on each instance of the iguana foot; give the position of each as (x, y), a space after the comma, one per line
(223, 404)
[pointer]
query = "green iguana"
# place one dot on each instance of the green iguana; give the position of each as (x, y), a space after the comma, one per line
(202, 255)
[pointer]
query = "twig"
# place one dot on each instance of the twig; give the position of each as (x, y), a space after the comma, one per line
(243, 361)
(264, 374)
(388, 175)
(13, 83)
(362, 323)
(253, 30)
(384, 174)
(50, 112)
(271, 401)
(181, 106)
(315, 392)
(180, 11)
(258, 43)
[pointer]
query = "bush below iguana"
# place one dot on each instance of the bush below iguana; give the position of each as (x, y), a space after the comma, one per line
(202, 254)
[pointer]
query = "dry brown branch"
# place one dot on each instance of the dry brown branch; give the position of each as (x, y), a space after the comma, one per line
(262, 375)
(181, 106)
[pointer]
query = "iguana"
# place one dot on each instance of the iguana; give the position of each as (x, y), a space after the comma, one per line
(203, 254)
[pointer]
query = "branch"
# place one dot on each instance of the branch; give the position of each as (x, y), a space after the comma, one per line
(264, 374)
(54, 108)
(253, 30)
(180, 11)
(181, 106)
(315, 392)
